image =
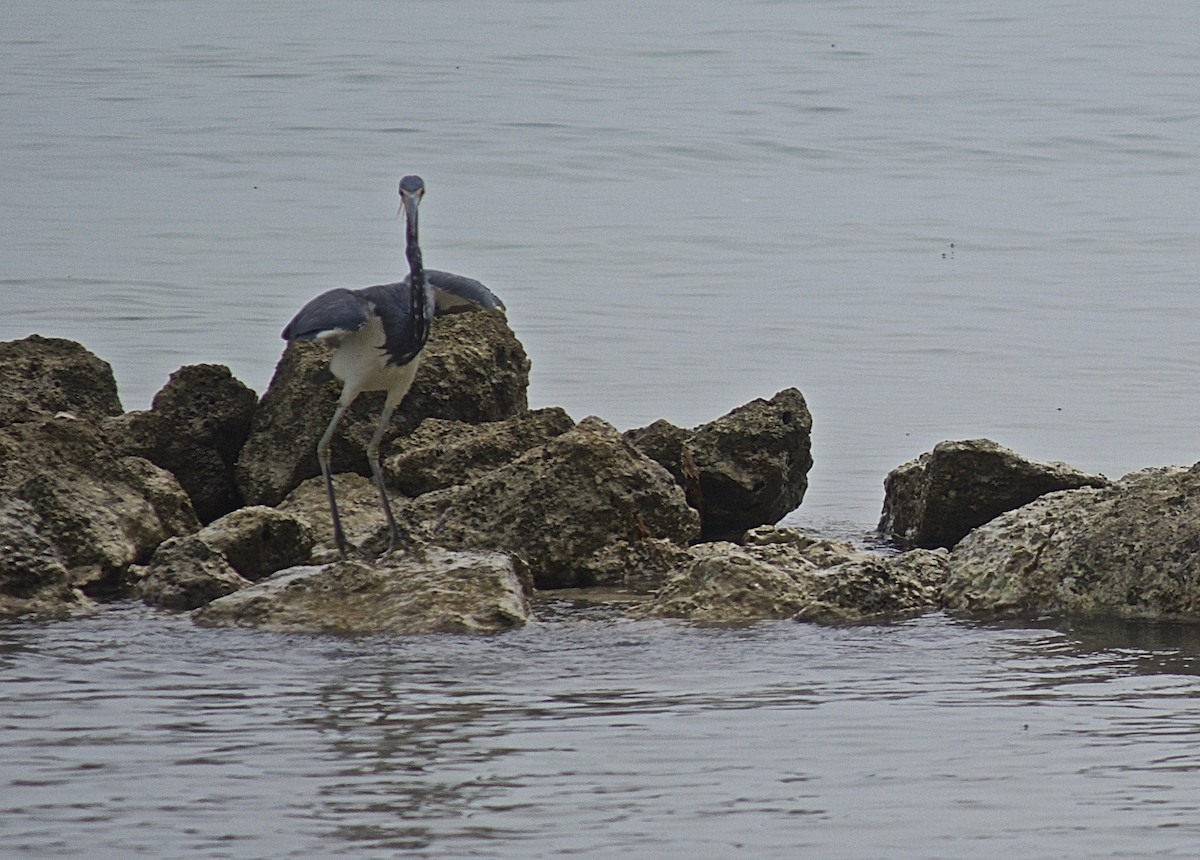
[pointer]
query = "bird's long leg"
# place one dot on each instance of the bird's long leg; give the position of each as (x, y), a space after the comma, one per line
(395, 539)
(339, 537)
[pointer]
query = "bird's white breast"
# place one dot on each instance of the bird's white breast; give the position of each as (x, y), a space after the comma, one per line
(361, 363)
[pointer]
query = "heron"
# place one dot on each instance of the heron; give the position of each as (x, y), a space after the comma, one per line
(379, 334)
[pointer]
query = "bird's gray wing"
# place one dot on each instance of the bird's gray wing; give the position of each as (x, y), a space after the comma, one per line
(455, 292)
(333, 312)
(405, 319)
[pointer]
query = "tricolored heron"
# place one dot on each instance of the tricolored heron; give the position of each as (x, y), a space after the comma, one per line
(379, 334)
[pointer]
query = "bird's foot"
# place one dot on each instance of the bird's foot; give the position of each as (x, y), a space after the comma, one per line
(349, 551)
(402, 542)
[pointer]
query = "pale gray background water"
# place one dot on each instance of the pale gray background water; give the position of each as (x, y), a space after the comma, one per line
(964, 219)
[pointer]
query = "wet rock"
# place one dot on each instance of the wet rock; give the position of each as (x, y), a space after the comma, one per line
(560, 504)
(194, 429)
(1130, 550)
(473, 370)
(442, 453)
(40, 376)
(439, 592)
(100, 512)
(879, 588)
(634, 567)
(33, 581)
(723, 582)
(745, 469)
(184, 573)
(936, 499)
(781, 573)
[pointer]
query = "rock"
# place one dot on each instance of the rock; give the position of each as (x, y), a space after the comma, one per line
(880, 587)
(194, 429)
(184, 573)
(634, 567)
(561, 504)
(40, 376)
(33, 581)
(442, 453)
(223, 557)
(444, 592)
(100, 512)
(723, 582)
(1130, 550)
(257, 541)
(474, 370)
(745, 469)
(936, 499)
(358, 505)
(781, 573)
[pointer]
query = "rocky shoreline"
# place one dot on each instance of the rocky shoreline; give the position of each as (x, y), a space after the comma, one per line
(210, 503)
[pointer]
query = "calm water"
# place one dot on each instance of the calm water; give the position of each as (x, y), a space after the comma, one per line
(964, 220)
(926, 739)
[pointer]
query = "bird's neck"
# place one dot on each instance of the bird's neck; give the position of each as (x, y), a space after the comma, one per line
(416, 273)
(413, 251)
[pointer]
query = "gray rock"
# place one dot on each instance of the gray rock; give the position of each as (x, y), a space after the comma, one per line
(474, 370)
(442, 453)
(442, 592)
(195, 430)
(936, 499)
(41, 376)
(99, 512)
(781, 573)
(561, 504)
(1130, 550)
(745, 469)
(184, 573)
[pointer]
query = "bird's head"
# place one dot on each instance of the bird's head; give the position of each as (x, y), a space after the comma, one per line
(412, 189)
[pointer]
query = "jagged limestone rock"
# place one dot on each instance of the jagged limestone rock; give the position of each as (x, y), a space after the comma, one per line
(745, 469)
(1130, 550)
(936, 499)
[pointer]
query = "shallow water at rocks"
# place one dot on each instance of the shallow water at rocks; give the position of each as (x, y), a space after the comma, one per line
(955, 221)
(134, 734)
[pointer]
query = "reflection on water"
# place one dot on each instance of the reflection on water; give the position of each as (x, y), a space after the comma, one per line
(137, 733)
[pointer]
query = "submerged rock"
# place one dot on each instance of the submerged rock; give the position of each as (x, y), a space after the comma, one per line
(1130, 550)
(936, 499)
(41, 376)
(437, 591)
(781, 573)
(195, 429)
(745, 469)
(474, 369)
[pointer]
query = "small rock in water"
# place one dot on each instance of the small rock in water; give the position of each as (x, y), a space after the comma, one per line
(431, 591)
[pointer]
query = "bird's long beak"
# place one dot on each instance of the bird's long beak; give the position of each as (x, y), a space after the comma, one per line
(408, 203)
